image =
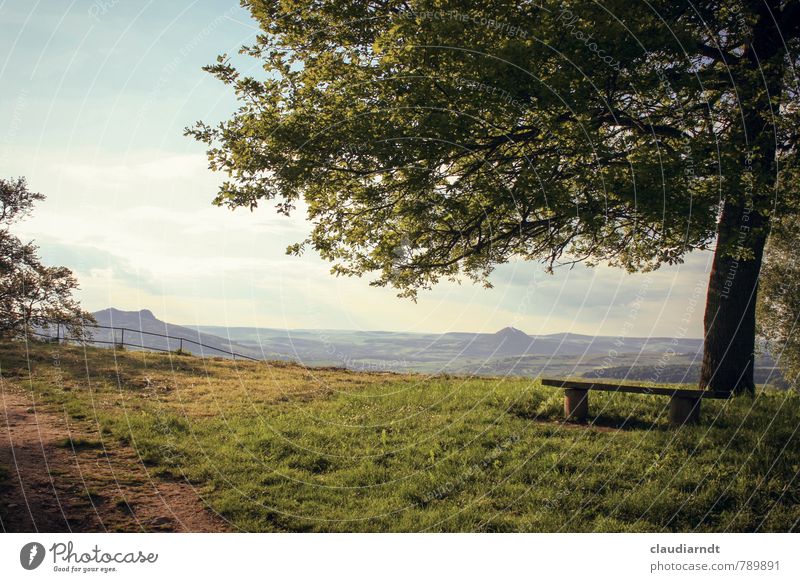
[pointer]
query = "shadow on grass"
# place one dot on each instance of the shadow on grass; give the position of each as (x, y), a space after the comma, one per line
(606, 422)
(626, 423)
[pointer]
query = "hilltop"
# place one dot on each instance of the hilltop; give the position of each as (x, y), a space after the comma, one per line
(139, 325)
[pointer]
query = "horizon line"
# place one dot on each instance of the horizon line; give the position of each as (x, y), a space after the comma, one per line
(334, 329)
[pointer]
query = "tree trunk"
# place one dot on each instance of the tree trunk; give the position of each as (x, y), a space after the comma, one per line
(730, 317)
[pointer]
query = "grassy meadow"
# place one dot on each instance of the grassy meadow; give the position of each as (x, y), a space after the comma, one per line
(280, 447)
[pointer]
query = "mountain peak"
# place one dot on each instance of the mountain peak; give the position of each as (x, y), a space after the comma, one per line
(144, 314)
(512, 333)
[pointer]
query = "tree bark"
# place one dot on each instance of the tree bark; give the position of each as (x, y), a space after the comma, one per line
(730, 316)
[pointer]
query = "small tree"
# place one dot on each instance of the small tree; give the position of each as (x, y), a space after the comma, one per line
(32, 295)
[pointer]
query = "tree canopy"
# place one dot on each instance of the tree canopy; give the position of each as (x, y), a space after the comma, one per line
(436, 139)
(32, 295)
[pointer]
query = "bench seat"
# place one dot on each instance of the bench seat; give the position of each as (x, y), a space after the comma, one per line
(684, 402)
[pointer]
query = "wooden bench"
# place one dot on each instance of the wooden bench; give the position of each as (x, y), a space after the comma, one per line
(684, 404)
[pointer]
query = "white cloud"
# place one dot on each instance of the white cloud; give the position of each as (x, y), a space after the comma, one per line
(155, 167)
(141, 232)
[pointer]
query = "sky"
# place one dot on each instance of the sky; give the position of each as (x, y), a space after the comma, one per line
(95, 98)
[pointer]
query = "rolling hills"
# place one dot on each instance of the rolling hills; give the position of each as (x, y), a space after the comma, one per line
(509, 351)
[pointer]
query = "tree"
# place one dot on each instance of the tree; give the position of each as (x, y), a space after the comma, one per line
(32, 295)
(779, 297)
(436, 139)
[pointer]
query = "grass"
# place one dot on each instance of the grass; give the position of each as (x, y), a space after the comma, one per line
(279, 447)
(79, 443)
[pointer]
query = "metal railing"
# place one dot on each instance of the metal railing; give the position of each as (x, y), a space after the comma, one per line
(121, 342)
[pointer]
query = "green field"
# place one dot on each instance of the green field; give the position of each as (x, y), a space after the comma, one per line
(279, 447)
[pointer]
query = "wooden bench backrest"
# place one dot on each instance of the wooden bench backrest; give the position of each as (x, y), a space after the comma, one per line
(681, 392)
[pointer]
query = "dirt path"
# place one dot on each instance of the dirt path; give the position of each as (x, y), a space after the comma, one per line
(60, 478)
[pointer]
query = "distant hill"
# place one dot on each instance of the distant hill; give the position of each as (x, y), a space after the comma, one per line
(509, 351)
(345, 347)
(145, 321)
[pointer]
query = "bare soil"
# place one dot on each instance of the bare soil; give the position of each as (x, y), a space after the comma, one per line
(62, 477)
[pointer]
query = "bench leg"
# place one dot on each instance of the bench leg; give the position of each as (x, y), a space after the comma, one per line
(683, 410)
(576, 404)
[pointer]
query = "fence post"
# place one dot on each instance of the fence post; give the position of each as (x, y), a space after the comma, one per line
(122, 337)
(181, 347)
(58, 333)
